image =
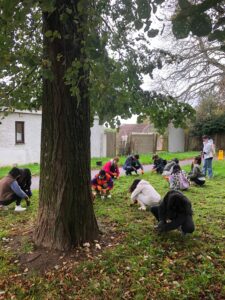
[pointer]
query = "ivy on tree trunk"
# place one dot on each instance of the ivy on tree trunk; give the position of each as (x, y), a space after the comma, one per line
(66, 217)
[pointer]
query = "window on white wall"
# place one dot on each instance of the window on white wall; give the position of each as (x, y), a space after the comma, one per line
(19, 132)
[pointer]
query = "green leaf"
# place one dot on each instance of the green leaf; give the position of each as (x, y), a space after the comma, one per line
(184, 4)
(48, 33)
(153, 33)
(180, 27)
(143, 9)
(201, 25)
(138, 24)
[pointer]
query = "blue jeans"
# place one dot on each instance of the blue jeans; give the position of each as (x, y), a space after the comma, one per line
(208, 166)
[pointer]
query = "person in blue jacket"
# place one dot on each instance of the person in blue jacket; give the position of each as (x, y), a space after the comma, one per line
(132, 164)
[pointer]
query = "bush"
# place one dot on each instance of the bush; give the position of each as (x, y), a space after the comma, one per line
(209, 126)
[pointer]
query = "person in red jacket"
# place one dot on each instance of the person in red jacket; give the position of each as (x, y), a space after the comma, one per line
(101, 184)
(111, 167)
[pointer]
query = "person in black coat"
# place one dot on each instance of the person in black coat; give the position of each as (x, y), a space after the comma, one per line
(24, 182)
(174, 212)
(158, 164)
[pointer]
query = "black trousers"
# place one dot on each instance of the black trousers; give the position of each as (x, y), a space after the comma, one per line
(197, 181)
(184, 221)
(14, 198)
(130, 169)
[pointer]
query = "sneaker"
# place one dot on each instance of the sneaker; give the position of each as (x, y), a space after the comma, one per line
(19, 208)
(142, 208)
(3, 207)
(102, 197)
(109, 196)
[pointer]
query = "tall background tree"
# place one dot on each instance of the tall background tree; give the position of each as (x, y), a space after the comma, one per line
(210, 116)
(195, 59)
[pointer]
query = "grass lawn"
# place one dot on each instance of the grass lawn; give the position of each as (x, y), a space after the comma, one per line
(145, 159)
(137, 263)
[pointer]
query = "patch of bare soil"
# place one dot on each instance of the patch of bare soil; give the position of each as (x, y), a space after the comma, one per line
(42, 260)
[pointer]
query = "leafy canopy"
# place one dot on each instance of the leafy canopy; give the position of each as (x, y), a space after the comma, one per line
(118, 54)
(206, 18)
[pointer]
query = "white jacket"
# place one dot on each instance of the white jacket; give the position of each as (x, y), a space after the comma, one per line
(208, 149)
(146, 194)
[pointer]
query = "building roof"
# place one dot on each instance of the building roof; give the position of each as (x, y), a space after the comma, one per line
(127, 129)
(31, 112)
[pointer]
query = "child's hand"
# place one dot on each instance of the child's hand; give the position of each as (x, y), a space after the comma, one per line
(99, 188)
(142, 172)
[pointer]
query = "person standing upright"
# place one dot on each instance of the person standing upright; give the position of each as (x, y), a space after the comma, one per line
(208, 151)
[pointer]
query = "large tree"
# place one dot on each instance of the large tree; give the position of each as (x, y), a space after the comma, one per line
(66, 214)
(88, 51)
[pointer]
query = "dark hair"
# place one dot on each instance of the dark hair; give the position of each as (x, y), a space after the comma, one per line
(102, 173)
(137, 156)
(14, 172)
(198, 159)
(25, 175)
(134, 185)
(155, 156)
(174, 202)
(176, 160)
(205, 137)
(176, 169)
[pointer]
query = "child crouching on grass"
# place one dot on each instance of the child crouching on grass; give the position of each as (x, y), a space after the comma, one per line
(178, 179)
(174, 212)
(102, 184)
(158, 164)
(111, 167)
(144, 194)
(196, 174)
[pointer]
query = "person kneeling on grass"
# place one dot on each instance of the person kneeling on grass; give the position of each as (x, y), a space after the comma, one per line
(10, 191)
(132, 164)
(102, 184)
(196, 175)
(143, 193)
(174, 212)
(178, 179)
(168, 169)
(111, 167)
(158, 164)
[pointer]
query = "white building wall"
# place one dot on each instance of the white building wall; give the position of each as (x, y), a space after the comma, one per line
(176, 139)
(29, 152)
(98, 139)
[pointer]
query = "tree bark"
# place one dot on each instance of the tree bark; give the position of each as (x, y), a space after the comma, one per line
(66, 217)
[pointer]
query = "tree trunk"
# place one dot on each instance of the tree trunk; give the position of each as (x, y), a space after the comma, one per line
(66, 217)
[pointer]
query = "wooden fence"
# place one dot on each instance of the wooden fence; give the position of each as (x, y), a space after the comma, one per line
(193, 143)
